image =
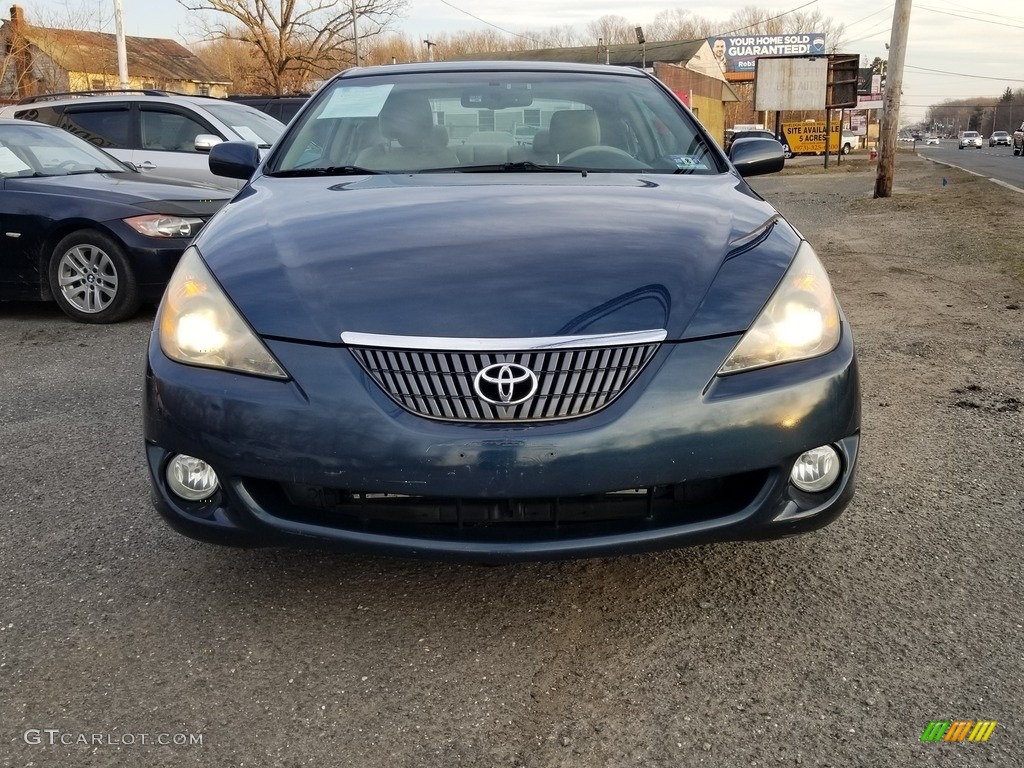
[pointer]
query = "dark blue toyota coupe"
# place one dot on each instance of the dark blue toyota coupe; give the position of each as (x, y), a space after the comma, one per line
(422, 329)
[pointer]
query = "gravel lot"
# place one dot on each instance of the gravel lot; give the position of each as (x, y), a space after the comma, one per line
(832, 649)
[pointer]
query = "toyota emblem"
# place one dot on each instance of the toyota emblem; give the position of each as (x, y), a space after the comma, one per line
(505, 384)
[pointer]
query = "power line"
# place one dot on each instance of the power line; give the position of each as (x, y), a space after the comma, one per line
(882, 10)
(960, 5)
(964, 74)
(669, 43)
(762, 21)
(484, 21)
(972, 18)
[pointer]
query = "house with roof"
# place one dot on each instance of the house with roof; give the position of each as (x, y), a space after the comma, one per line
(36, 60)
(688, 67)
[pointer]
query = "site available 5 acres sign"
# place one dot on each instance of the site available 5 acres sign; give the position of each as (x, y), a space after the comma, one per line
(810, 137)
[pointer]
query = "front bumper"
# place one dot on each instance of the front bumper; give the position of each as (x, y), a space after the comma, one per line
(682, 457)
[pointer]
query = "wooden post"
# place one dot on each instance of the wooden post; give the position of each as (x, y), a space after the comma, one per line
(893, 87)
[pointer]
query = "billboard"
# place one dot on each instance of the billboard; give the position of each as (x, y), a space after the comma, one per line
(870, 87)
(790, 83)
(738, 55)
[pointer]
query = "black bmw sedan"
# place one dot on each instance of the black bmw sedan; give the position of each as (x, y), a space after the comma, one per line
(413, 334)
(81, 228)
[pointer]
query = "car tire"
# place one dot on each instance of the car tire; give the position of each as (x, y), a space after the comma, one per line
(846, 149)
(91, 278)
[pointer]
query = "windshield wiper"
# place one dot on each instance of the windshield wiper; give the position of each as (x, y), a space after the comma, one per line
(80, 171)
(522, 167)
(332, 170)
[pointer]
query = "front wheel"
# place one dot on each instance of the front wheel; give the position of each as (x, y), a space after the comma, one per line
(91, 278)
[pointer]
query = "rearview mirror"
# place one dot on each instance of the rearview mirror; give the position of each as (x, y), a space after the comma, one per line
(498, 96)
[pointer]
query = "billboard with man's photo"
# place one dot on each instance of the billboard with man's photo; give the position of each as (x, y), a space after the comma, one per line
(738, 55)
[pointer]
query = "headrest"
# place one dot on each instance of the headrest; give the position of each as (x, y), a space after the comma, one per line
(572, 129)
(406, 116)
(439, 137)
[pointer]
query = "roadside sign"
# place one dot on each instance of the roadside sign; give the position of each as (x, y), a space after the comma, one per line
(810, 137)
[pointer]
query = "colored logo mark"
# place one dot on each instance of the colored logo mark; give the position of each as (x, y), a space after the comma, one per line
(958, 730)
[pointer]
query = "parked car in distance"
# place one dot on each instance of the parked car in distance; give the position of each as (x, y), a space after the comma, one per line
(756, 133)
(932, 140)
(635, 351)
(282, 108)
(1000, 138)
(160, 133)
(84, 230)
(848, 142)
(969, 139)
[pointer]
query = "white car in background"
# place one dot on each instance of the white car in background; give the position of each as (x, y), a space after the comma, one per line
(932, 140)
(969, 139)
(161, 133)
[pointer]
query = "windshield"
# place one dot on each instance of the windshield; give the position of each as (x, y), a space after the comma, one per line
(36, 150)
(466, 121)
(247, 122)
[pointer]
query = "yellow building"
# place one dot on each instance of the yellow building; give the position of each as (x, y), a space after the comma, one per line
(36, 60)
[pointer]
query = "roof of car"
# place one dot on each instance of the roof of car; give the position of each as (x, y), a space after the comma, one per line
(492, 66)
(136, 95)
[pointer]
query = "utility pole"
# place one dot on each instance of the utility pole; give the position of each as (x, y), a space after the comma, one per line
(122, 49)
(891, 100)
(355, 33)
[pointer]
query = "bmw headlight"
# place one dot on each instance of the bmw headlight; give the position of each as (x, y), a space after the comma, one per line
(801, 320)
(160, 225)
(198, 325)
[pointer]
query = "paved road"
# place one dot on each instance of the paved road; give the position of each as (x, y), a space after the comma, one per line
(123, 644)
(991, 162)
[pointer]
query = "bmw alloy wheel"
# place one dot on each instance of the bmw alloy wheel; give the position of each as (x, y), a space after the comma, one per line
(88, 279)
(92, 279)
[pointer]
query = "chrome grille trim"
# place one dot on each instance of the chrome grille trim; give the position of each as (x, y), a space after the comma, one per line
(434, 377)
(443, 343)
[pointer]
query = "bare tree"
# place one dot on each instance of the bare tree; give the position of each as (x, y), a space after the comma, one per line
(613, 30)
(680, 24)
(295, 41)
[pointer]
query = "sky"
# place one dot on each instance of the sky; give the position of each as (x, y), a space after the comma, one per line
(953, 51)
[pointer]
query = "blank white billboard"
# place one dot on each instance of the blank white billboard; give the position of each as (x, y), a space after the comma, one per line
(790, 83)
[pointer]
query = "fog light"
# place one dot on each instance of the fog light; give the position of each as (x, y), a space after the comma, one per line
(816, 469)
(190, 478)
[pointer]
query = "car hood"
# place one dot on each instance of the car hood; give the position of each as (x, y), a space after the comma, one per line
(498, 255)
(128, 188)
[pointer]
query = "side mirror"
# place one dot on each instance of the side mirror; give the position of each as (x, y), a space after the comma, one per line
(207, 141)
(757, 156)
(234, 159)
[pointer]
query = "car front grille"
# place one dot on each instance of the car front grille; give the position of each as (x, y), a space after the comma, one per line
(575, 376)
(656, 507)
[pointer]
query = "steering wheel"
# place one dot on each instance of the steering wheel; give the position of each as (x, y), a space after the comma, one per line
(602, 156)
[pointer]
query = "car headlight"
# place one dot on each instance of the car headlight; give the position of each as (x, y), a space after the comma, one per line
(161, 225)
(801, 320)
(198, 325)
